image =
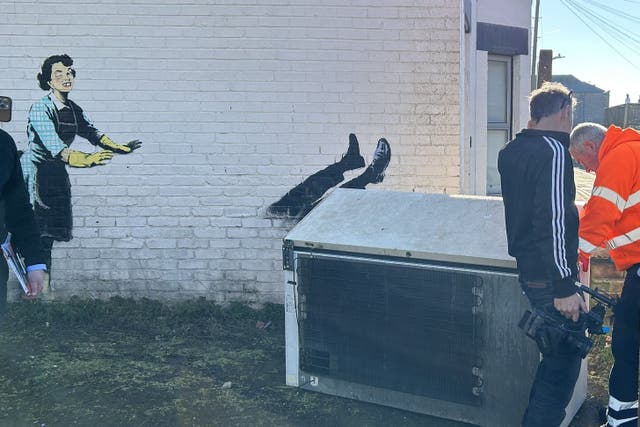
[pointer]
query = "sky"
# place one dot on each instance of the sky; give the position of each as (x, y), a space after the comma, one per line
(584, 53)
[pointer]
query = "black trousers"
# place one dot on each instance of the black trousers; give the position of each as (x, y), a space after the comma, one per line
(303, 197)
(4, 268)
(623, 380)
(4, 277)
(556, 375)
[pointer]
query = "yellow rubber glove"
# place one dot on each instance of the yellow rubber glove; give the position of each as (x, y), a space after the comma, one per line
(110, 144)
(78, 159)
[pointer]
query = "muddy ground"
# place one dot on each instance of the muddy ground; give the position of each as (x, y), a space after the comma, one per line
(124, 362)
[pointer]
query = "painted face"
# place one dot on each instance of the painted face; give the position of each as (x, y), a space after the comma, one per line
(587, 156)
(61, 77)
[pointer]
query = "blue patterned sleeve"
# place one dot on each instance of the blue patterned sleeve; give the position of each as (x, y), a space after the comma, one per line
(41, 121)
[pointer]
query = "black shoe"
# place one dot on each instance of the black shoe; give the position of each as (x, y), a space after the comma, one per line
(352, 158)
(381, 158)
(602, 416)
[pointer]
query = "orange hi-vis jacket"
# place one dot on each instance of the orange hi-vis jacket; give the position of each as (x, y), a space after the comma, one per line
(612, 214)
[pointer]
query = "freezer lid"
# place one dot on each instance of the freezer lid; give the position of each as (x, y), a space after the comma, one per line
(438, 227)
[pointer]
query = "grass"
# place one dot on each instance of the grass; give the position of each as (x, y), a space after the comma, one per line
(124, 362)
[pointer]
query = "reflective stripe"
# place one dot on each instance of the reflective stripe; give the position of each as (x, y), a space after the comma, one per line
(634, 199)
(618, 405)
(610, 195)
(617, 423)
(624, 239)
(586, 246)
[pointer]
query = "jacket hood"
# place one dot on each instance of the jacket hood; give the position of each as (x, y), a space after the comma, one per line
(615, 137)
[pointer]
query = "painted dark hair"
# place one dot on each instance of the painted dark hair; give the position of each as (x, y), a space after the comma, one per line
(44, 76)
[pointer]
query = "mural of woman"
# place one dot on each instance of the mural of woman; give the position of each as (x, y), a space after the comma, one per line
(54, 122)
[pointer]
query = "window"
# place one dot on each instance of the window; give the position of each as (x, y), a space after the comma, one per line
(498, 115)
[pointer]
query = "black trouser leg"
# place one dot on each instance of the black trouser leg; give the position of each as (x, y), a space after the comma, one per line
(47, 246)
(556, 375)
(4, 268)
(4, 277)
(299, 200)
(623, 380)
(360, 181)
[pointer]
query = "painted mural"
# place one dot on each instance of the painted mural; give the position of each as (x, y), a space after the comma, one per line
(53, 123)
(303, 197)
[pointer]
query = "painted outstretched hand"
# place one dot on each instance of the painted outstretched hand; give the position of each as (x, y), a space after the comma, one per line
(133, 145)
(111, 145)
(78, 159)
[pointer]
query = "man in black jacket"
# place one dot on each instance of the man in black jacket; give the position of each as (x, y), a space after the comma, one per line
(16, 217)
(538, 191)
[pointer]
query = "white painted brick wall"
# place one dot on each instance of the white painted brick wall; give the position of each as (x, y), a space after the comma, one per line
(236, 102)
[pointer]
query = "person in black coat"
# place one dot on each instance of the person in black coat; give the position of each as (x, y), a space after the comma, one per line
(16, 217)
(538, 192)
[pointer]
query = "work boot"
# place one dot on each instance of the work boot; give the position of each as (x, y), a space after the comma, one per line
(602, 416)
(381, 158)
(352, 158)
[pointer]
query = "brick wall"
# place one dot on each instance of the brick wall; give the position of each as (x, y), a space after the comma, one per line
(235, 103)
(616, 115)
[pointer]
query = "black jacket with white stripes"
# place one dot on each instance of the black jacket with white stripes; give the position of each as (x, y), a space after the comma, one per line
(538, 192)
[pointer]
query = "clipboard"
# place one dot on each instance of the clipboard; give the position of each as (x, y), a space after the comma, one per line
(16, 264)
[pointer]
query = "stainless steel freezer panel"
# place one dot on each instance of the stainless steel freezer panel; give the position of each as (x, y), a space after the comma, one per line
(372, 277)
(434, 339)
(436, 227)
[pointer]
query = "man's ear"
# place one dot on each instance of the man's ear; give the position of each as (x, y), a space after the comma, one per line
(589, 145)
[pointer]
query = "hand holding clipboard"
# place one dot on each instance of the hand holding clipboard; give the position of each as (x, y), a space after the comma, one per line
(16, 264)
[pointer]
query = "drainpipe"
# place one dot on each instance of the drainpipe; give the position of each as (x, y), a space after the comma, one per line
(534, 50)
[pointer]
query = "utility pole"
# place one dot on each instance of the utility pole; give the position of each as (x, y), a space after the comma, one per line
(627, 100)
(534, 50)
(545, 66)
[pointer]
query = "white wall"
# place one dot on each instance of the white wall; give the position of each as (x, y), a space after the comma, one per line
(514, 13)
(235, 103)
(501, 12)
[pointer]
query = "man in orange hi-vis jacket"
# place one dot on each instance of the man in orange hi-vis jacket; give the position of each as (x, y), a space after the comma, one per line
(612, 219)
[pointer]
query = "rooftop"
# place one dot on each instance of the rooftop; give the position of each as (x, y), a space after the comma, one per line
(575, 84)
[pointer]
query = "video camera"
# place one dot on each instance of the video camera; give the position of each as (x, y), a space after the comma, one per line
(5, 109)
(548, 328)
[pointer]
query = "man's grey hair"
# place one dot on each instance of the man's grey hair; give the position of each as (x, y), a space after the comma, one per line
(587, 132)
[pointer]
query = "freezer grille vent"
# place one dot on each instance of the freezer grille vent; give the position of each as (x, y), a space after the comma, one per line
(412, 329)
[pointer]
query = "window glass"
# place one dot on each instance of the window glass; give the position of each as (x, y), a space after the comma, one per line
(498, 116)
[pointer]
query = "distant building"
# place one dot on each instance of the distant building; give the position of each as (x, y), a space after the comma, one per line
(591, 100)
(623, 115)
